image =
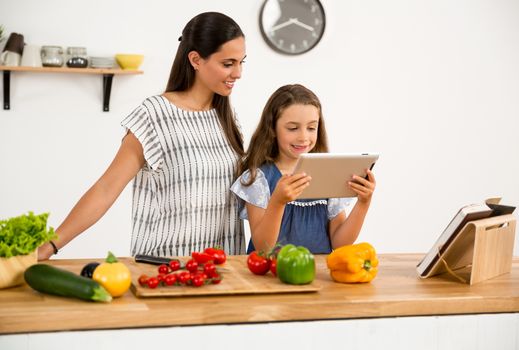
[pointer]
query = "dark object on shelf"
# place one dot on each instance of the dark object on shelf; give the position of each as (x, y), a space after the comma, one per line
(15, 43)
(77, 62)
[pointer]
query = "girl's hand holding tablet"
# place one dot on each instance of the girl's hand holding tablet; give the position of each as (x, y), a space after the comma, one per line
(363, 187)
(290, 187)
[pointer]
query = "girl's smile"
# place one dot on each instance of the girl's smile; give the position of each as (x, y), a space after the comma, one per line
(301, 148)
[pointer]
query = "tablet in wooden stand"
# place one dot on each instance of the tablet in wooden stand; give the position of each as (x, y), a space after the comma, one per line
(331, 172)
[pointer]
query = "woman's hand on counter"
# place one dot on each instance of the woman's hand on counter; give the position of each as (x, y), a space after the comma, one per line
(45, 251)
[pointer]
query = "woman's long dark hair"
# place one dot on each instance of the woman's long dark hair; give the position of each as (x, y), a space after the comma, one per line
(205, 34)
(263, 146)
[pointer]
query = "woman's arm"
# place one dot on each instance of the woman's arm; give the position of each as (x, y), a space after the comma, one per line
(266, 223)
(344, 230)
(100, 197)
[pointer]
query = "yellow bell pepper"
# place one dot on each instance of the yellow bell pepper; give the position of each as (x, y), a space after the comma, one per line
(114, 276)
(353, 263)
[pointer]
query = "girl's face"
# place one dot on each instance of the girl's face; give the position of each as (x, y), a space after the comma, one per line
(296, 131)
(219, 71)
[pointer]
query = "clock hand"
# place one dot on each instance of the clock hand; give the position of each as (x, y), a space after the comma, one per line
(302, 25)
(282, 25)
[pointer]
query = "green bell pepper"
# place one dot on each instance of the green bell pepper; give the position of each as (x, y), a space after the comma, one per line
(295, 265)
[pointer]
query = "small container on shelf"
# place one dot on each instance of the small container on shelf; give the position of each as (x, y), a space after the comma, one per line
(77, 57)
(52, 56)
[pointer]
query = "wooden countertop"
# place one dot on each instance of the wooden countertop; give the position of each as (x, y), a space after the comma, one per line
(397, 291)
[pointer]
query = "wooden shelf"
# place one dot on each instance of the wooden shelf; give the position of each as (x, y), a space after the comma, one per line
(107, 74)
(71, 70)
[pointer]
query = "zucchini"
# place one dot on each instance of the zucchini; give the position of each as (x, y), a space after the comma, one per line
(52, 280)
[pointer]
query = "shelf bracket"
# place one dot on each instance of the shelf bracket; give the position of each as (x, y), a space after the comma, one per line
(7, 89)
(107, 88)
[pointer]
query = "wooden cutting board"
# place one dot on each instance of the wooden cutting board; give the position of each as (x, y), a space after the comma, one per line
(237, 279)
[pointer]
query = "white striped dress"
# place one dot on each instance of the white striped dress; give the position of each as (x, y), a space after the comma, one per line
(181, 197)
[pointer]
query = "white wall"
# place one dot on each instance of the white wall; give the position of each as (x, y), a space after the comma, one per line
(431, 85)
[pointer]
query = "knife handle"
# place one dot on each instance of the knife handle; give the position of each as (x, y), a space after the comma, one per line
(150, 259)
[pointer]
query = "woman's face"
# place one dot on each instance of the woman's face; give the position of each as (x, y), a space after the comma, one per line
(296, 131)
(219, 71)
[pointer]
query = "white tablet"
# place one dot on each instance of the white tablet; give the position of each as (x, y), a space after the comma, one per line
(331, 172)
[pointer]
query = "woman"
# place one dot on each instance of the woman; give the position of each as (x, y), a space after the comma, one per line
(181, 149)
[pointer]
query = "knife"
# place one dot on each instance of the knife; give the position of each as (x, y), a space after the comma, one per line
(150, 259)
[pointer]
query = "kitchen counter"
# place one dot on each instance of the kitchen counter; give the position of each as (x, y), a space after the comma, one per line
(397, 291)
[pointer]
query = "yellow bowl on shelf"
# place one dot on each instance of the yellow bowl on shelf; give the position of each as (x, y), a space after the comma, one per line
(129, 61)
(12, 269)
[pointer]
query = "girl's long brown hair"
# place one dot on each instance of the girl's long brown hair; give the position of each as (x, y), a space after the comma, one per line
(205, 34)
(263, 146)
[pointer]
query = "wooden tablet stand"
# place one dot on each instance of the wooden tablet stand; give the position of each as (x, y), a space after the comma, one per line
(483, 249)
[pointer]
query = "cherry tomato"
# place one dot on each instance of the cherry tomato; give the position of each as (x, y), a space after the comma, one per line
(217, 278)
(170, 279)
(184, 277)
(152, 282)
(143, 280)
(160, 277)
(198, 280)
(210, 269)
(192, 265)
(258, 264)
(174, 265)
(163, 269)
(218, 255)
(273, 267)
(201, 258)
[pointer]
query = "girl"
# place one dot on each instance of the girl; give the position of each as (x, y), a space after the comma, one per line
(292, 124)
(181, 148)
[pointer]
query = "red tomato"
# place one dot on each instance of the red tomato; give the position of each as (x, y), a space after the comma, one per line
(192, 265)
(273, 267)
(160, 277)
(258, 264)
(170, 279)
(163, 269)
(217, 278)
(184, 277)
(199, 273)
(143, 280)
(174, 265)
(198, 280)
(201, 258)
(153, 282)
(210, 269)
(218, 255)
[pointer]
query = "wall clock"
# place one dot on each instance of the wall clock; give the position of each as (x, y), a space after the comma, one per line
(292, 27)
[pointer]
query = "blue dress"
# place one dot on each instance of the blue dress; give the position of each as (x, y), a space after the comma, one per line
(305, 221)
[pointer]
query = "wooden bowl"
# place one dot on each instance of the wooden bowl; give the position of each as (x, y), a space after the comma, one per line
(12, 269)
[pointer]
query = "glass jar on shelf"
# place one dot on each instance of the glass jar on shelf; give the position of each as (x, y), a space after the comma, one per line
(77, 57)
(52, 56)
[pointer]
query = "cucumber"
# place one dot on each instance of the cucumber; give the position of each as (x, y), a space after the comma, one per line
(52, 280)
